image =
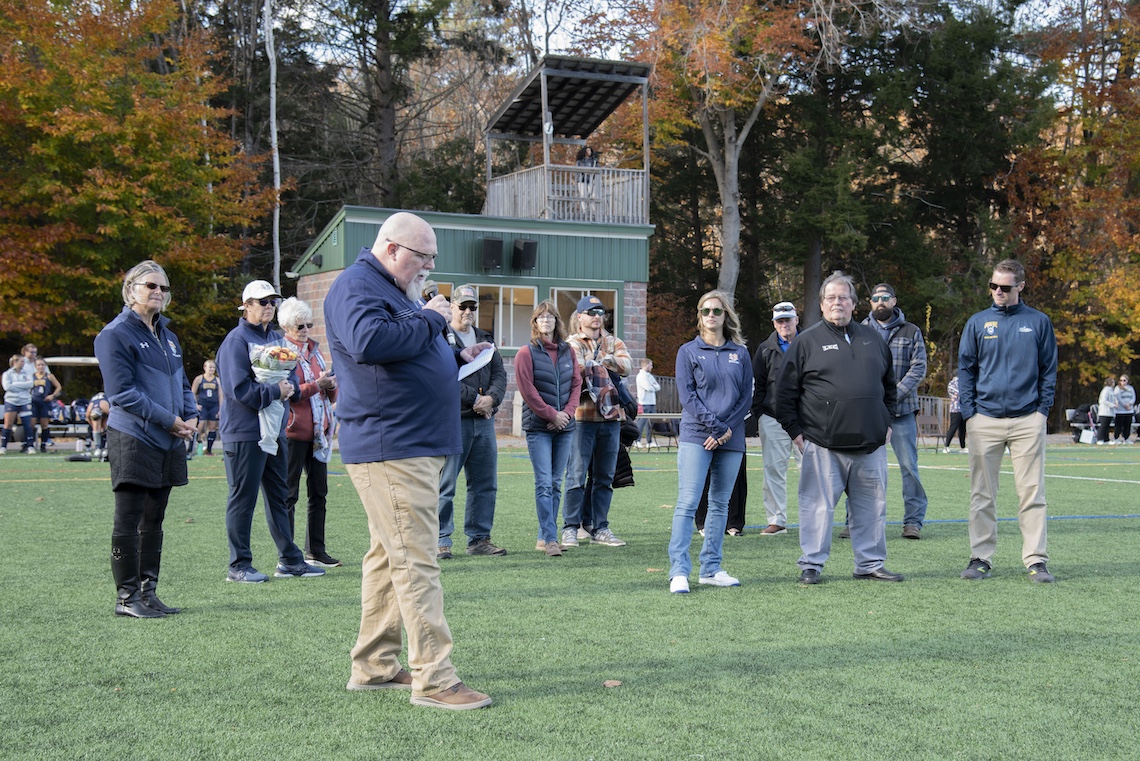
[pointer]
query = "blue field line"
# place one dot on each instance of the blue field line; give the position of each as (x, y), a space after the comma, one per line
(967, 520)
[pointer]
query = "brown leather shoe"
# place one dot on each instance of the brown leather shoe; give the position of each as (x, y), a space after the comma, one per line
(773, 529)
(402, 681)
(458, 697)
(553, 550)
(911, 531)
(845, 533)
(484, 547)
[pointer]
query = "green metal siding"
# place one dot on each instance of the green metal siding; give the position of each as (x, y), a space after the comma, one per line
(576, 252)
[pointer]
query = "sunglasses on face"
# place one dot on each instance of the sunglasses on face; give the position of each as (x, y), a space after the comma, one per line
(468, 307)
(155, 286)
(1002, 288)
(596, 312)
(879, 299)
(304, 325)
(706, 311)
(268, 302)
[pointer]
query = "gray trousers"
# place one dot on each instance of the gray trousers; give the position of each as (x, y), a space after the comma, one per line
(824, 476)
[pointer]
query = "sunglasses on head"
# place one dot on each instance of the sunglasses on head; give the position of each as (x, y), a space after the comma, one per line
(706, 311)
(879, 299)
(1002, 288)
(155, 286)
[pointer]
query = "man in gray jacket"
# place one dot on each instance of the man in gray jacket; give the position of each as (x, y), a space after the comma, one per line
(908, 352)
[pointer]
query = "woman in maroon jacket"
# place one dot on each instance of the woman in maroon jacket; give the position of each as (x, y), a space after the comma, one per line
(310, 427)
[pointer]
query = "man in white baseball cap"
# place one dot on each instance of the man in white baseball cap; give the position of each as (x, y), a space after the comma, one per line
(777, 448)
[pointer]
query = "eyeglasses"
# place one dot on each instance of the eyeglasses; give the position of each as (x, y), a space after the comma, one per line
(154, 286)
(468, 307)
(269, 302)
(425, 258)
(596, 312)
(832, 299)
(706, 311)
(880, 299)
(1002, 288)
(544, 316)
(304, 325)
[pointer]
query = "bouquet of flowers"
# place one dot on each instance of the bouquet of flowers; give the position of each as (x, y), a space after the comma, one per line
(272, 363)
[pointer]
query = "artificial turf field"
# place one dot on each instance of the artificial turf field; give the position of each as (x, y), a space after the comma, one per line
(936, 667)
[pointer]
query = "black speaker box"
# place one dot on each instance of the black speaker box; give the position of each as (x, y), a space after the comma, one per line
(492, 253)
(525, 255)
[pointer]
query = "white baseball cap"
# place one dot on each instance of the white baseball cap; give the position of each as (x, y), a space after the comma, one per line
(258, 289)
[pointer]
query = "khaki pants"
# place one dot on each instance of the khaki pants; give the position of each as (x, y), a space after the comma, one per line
(987, 439)
(400, 586)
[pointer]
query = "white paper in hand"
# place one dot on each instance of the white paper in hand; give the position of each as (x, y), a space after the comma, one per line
(480, 361)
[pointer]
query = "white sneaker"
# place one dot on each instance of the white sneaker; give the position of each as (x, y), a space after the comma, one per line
(721, 579)
(679, 585)
(653, 445)
(945, 450)
(964, 450)
(584, 535)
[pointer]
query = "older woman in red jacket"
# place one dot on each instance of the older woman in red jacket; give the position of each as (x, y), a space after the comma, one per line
(310, 428)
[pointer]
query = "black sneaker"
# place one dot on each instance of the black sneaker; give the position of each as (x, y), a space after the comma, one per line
(809, 576)
(300, 570)
(1040, 574)
(978, 569)
(322, 559)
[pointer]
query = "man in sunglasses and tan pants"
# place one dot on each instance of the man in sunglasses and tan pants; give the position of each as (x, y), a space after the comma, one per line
(1007, 373)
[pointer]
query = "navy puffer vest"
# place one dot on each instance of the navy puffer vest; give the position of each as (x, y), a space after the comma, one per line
(552, 385)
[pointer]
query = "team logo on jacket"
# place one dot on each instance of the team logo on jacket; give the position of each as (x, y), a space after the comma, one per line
(1025, 329)
(173, 350)
(733, 358)
(831, 347)
(989, 330)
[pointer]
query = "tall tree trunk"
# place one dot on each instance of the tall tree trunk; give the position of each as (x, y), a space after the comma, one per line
(382, 111)
(271, 55)
(813, 277)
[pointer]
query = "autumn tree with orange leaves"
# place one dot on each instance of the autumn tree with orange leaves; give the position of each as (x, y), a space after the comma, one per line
(1078, 198)
(109, 155)
(719, 63)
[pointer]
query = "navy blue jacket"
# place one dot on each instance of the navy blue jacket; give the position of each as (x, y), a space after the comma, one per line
(395, 372)
(143, 378)
(245, 396)
(1007, 363)
(714, 384)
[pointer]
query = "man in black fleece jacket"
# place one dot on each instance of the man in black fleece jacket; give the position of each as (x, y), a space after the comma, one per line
(834, 397)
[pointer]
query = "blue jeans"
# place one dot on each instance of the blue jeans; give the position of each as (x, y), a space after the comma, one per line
(595, 447)
(904, 440)
(549, 452)
(480, 462)
(645, 426)
(693, 464)
(247, 469)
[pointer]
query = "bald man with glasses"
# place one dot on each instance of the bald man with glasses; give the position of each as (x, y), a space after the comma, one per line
(1007, 373)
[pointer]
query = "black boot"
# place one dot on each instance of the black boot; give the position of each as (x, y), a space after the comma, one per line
(125, 569)
(150, 559)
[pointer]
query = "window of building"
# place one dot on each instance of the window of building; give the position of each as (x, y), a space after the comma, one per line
(504, 312)
(566, 299)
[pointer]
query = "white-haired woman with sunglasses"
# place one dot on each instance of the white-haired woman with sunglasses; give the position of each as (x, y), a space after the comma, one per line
(309, 428)
(152, 416)
(714, 383)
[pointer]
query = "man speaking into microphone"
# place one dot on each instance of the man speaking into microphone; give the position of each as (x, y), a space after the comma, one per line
(399, 413)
